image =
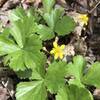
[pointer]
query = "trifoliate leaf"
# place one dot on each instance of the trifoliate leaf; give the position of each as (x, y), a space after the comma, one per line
(28, 56)
(55, 76)
(92, 77)
(73, 93)
(22, 46)
(51, 19)
(65, 26)
(48, 5)
(31, 90)
(75, 70)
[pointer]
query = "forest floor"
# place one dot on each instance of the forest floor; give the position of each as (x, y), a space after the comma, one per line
(86, 44)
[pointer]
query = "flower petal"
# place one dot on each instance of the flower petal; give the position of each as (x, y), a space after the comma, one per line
(62, 46)
(55, 44)
(52, 51)
(61, 55)
(56, 55)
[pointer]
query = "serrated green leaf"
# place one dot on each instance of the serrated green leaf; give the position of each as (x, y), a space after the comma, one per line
(22, 46)
(28, 56)
(16, 60)
(92, 77)
(7, 46)
(21, 29)
(17, 14)
(48, 5)
(21, 60)
(31, 90)
(55, 76)
(16, 33)
(52, 18)
(36, 63)
(26, 74)
(33, 43)
(65, 26)
(24, 49)
(5, 32)
(73, 93)
(76, 70)
(45, 32)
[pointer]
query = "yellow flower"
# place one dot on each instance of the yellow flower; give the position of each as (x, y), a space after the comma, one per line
(58, 51)
(83, 18)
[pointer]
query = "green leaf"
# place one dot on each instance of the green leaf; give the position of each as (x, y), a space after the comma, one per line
(92, 77)
(31, 90)
(36, 62)
(33, 43)
(52, 18)
(22, 47)
(17, 14)
(20, 26)
(26, 74)
(16, 33)
(65, 26)
(20, 61)
(45, 32)
(16, 60)
(21, 29)
(23, 43)
(19, 58)
(7, 46)
(48, 5)
(55, 76)
(73, 93)
(75, 70)
(5, 32)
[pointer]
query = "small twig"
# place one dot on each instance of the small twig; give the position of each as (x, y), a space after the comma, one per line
(94, 7)
(45, 50)
(89, 11)
(7, 90)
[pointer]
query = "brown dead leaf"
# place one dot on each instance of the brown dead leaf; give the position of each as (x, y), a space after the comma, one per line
(2, 2)
(26, 3)
(32, 1)
(61, 3)
(97, 94)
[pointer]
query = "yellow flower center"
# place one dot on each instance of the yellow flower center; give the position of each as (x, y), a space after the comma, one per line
(83, 18)
(58, 51)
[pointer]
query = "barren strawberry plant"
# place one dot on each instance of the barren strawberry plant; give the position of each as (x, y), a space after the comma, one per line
(46, 48)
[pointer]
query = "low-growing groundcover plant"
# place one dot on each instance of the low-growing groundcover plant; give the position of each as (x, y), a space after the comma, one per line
(21, 46)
